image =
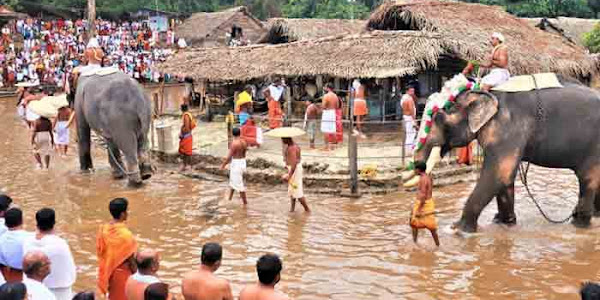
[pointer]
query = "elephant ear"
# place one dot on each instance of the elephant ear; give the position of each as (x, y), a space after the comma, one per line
(481, 107)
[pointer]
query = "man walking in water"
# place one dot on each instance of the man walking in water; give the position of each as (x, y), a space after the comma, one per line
(203, 284)
(293, 161)
(42, 140)
(237, 165)
(423, 213)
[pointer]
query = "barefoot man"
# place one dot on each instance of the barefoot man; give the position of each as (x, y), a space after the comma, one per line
(498, 64)
(423, 213)
(310, 121)
(203, 284)
(409, 117)
(186, 141)
(328, 118)
(293, 161)
(237, 165)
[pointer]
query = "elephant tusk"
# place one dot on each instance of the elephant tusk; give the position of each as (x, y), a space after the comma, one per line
(434, 158)
(406, 175)
(412, 183)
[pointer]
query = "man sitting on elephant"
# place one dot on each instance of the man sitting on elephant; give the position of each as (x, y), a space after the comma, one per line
(498, 64)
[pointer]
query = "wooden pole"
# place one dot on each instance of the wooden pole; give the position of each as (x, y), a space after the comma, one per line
(91, 18)
(352, 151)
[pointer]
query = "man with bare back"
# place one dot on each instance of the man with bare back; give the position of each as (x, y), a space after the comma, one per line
(202, 284)
(237, 165)
(423, 213)
(328, 117)
(293, 156)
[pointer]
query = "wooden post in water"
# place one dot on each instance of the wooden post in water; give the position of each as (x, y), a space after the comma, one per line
(91, 18)
(352, 152)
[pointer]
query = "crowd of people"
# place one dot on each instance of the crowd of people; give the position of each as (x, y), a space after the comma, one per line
(40, 266)
(46, 52)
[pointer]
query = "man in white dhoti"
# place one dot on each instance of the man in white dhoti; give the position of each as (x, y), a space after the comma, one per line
(498, 64)
(328, 117)
(293, 160)
(237, 165)
(409, 118)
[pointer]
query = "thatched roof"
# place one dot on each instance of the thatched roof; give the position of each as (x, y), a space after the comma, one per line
(200, 25)
(283, 30)
(371, 55)
(470, 25)
(571, 28)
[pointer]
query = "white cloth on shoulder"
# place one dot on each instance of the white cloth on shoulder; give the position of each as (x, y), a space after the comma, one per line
(495, 77)
(237, 167)
(328, 121)
(295, 187)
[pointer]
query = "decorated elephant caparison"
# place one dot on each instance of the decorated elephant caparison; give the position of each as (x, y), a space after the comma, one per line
(114, 106)
(554, 128)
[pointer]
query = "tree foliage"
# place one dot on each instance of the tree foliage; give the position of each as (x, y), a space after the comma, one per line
(592, 39)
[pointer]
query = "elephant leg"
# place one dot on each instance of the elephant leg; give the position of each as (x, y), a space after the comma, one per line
(506, 206)
(114, 158)
(589, 182)
(145, 166)
(127, 142)
(497, 172)
(84, 142)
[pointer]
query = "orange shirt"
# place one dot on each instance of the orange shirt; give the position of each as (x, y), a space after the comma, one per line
(114, 245)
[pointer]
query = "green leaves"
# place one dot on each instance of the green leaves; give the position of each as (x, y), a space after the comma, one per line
(592, 39)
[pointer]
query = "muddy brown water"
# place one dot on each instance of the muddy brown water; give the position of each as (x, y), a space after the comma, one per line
(346, 249)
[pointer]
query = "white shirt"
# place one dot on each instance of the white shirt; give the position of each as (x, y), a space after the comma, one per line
(3, 228)
(276, 91)
(37, 291)
(11, 248)
(63, 273)
(148, 279)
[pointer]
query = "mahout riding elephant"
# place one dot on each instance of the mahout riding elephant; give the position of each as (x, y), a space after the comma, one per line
(553, 128)
(114, 106)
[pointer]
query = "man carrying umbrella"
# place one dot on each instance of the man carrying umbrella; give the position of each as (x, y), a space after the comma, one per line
(293, 159)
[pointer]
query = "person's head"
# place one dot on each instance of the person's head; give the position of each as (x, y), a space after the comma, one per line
(309, 101)
(13, 291)
(212, 253)
(118, 209)
(13, 218)
(590, 291)
(184, 107)
(497, 38)
(269, 268)
(420, 167)
(5, 202)
(236, 132)
(411, 90)
(45, 219)
(36, 265)
(248, 89)
(157, 291)
(84, 296)
(148, 261)
(277, 81)
(328, 87)
(287, 140)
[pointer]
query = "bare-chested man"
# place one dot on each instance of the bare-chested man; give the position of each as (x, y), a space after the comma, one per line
(310, 121)
(268, 268)
(237, 165)
(423, 213)
(498, 64)
(203, 284)
(409, 118)
(293, 161)
(328, 118)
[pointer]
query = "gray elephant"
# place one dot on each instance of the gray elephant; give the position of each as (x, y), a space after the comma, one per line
(554, 128)
(114, 106)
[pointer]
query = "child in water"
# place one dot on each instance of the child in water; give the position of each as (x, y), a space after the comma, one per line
(423, 213)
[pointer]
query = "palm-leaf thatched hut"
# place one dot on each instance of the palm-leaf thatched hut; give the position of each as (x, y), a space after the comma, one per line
(470, 26)
(572, 29)
(281, 30)
(211, 29)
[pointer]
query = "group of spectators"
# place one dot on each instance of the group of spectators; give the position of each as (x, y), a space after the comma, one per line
(46, 52)
(40, 266)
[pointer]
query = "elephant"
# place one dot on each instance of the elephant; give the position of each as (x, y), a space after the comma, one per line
(553, 128)
(115, 107)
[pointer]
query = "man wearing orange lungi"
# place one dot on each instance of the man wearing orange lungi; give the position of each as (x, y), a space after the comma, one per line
(275, 112)
(423, 212)
(465, 155)
(360, 106)
(115, 246)
(251, 133)
(185, 137)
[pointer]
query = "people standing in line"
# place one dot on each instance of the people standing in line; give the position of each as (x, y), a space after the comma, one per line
(203, 284)
(268, 268)
(360, 108)
(5, 202)
(294, 175)
(37, 266)
(328, 117)
(11, 246)
(116, 248)
(186, 141)
(63, 276)
(148, 263)
(310, 121)
(42, 141)
(423, 212)
(409, 118)
(236, 159)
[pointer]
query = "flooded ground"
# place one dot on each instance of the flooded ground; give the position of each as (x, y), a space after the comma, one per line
(346, 249)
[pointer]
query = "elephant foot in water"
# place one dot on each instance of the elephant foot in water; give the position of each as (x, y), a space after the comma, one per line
(146, 171)
(464, 227)
(506, 220)
(135, 180)
(118, 174)
(582, 220)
